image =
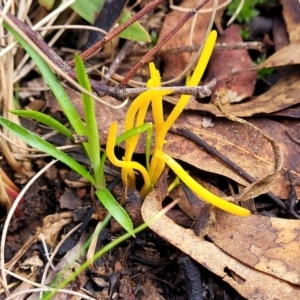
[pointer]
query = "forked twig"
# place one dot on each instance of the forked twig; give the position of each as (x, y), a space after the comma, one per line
(151, 52)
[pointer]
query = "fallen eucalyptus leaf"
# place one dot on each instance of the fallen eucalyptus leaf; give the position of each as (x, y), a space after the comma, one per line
(270, 245)
(250, 283)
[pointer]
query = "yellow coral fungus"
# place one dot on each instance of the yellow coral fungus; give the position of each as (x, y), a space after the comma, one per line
(137, 110)
(135, 117)
(157, 106)
(110, 145)
(199, 190)
(157, 165)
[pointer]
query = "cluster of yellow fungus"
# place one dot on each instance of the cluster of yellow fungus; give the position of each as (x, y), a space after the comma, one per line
(136, 115)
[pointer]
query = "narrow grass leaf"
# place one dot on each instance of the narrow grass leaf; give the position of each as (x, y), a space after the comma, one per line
(115, 209)
(55, 86)
(36, 142)
(93, 144)
(44, 119)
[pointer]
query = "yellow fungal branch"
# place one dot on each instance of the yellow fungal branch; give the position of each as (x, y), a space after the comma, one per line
(194, 81)
(110, 146)
(157, 165)
(157, 105)
(136, 115)
(199, 190)
(137, 110)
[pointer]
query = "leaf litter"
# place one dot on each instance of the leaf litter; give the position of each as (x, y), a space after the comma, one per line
(255, 255)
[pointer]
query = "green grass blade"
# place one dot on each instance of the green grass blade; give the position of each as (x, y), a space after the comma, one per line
(115, 209)
(35, 141)
(55, 86)
(134, 131)
(93, 144)
(44, 119)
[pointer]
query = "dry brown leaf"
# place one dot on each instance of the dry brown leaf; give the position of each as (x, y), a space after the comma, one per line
(50, 230)
(270, 245)
(250, 283)
(280, 36)
(281, 95)
(289, 112)
(149, 291)
(69, 201)
(30, 263)
(291, 13)
(235, 88)
(263, 184)
(174, 64)
(288, 55)
(53, 224)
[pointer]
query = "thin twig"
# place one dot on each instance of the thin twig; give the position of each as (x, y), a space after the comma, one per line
(54, 252)
(218, 46)
(66, 72)
(193, 48)
(46, 253)
(196, 91)
(96, 47)
(151, 52)
(54, 60)
(203, 11)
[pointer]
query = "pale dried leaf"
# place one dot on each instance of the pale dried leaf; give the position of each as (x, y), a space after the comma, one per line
(263, 184)
(271, 245)
(238, 87)
(287, 55)
(247, 281)
(53, 224)
(291, 13)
